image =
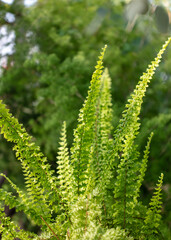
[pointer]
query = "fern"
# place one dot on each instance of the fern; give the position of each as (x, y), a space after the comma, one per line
(22, 202)
(65, 172)
(143, 167)
(153, 217)
(84, 135)
(124, 137)
(98, 160)
(9, 230)
(94, 193)
(129, 124)
(40, 183)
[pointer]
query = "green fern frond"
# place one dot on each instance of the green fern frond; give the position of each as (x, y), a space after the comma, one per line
(98, 171)
(37, 173)
(153, 215)
(24, 202)
(21, 202)
(129, 123)
(124, 150)
(9, 230)
(84, 135)
(86, 213)
(124, 185)
(142, 168)
(106, 104)
(8, 199)
(65, 171)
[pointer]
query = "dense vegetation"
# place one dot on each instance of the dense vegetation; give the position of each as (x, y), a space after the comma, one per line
(46, 77)
(95, 192)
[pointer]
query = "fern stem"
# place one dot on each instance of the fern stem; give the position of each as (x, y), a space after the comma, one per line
(68, 234)
(50, 228)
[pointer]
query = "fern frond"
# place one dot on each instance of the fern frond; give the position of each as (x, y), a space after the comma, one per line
(129, 122)
(124, 137)
(38, 176)
(98, 171)
(142, 169)
(24, 202)
(86, 213)
(65, 171)
(106, 105)
(84, 134)
(153, 216)
(66, 183)
(9, 230)
(124, 185)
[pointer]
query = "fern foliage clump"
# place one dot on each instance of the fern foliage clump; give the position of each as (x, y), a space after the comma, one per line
(94, 193)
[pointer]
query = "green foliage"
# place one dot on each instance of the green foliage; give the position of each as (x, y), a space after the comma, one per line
(153, 217)
(94, 194)
(143, 166)
(10, 230)
(46, 77)
(38, 177)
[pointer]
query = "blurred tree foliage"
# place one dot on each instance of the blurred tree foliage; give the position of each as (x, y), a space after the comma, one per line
(56, 45)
